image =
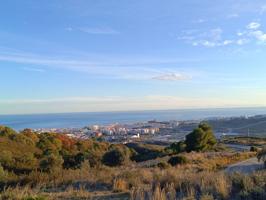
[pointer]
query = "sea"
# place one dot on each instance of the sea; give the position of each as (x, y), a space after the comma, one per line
(79, 120)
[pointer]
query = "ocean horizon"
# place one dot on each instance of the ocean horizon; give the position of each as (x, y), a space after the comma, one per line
(79, 120)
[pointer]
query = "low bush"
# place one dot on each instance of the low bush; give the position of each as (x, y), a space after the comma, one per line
(178, 160)
(114, 158)
(163, 165)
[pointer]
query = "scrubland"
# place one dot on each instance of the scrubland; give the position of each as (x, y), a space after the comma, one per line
(52, 166)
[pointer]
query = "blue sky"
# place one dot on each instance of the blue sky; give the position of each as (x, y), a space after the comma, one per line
(86, 55)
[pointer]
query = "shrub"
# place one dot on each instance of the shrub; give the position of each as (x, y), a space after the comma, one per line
(6, 158)
(6, 131)
(114, 157)
(73, 161)
(163, 165)
(178, 147)
(51, 163)
(178, 160)
(253, 149)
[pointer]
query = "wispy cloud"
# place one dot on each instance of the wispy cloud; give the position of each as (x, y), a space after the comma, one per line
(103, 31)
(253, 25)
(31, 69)
(172, 77)
(215, 37)
(130, 69)
(254, 32)
(231, 16)
(211, 38)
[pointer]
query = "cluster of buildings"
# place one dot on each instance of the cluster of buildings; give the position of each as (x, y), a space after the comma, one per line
(116, 132)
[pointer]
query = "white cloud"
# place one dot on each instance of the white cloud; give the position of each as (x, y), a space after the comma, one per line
(211, 38)
(103, 31)
(252, 33)
(215, 38)
(242, 41)
(259, 35)
(253, 26)
(171, 77)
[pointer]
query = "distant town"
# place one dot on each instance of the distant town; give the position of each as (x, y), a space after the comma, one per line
(162, 131)
(123, 133)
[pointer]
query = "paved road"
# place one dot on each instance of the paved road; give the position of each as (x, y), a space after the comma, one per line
(246, 167)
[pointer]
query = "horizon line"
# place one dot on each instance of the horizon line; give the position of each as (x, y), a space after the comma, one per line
(132, 111)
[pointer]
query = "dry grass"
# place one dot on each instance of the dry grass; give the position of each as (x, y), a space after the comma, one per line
(120, 185)
(199, 179)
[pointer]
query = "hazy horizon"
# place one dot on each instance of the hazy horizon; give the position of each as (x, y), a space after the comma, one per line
(151, 110)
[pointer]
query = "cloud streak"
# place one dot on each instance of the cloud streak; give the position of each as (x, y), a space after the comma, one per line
(172, 77)
(114, 69)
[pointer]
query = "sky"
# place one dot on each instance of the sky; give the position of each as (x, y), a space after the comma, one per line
(121, 55)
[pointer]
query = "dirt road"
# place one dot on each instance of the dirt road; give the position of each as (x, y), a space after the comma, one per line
(246, 167)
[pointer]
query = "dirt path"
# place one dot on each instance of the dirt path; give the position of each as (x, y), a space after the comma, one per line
(246, 166)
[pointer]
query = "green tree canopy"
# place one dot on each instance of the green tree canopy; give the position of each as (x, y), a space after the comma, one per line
(200, 139)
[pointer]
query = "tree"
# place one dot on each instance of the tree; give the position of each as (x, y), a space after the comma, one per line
(114, 157)
(200, 139)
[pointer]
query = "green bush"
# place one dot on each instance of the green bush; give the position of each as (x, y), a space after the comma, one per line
(178, 160)
(114, 157)
(51, 163)
(178, 147)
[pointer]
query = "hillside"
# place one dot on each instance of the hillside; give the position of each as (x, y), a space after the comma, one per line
(51, 166)
(255, 125)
